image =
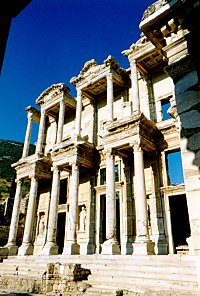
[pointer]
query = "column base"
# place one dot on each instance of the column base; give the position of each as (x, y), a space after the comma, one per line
(12, 249)
(144, 248)
(71, 249)
(50, 248)
(110, 247)
(127, 248)
(161, 248)
(87, 249)
(25, 249)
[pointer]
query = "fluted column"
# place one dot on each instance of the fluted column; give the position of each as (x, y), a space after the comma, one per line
(27, 245)
(143, 245)
(51, 247)
(134, 86)
(71, 247)
(61, 121)
(11, 245)
(78, 112)
(40, 139)
(28, 135)
(110, 246)
(109, 96)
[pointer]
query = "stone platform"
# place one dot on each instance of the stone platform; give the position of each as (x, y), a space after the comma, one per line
(101, 275)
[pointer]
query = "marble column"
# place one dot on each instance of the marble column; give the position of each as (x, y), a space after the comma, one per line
(61, 122)
(143, 245)
(71, 247)
(11, 245)
(51, 247)
(28, 135)
(27, 245)
(41, 132)
(109, 97)
(110, 246)
(134, 86)
(127, 205)
(78, 112)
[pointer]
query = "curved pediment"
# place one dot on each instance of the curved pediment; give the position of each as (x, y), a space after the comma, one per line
(51, 92)
(89, 68)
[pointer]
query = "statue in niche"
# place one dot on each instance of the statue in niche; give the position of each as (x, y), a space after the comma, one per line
(41, 225)
(82, 217)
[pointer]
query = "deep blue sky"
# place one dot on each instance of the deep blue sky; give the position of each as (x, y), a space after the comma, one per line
(49, 42)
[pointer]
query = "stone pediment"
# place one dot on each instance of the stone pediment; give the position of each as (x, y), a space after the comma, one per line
(92, 69)
(51, 92)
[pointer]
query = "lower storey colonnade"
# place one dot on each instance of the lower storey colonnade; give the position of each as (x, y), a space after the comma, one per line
(112, 244)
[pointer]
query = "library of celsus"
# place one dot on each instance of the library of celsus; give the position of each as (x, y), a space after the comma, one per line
(115, 173)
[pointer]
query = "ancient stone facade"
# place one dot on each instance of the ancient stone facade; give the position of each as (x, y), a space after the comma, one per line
(100, 177)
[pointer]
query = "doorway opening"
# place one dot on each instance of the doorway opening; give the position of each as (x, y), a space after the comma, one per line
(179, 220)
(60, 231)
(118, 218)
(102, 230)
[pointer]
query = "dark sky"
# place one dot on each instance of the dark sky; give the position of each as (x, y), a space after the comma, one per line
(49, 42)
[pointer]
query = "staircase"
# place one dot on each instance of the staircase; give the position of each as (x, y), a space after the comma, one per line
(109, 275)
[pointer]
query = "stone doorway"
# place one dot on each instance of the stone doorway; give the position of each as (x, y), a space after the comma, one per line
(102, 229)
(118, 218)
(179, 221)
(60, 231)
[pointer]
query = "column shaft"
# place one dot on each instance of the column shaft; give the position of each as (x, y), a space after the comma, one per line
(110, 97)
(61, 122)
(110, 197)
(41, 132)
(110, 246)
(140, 192)
(71, 246)
(27, 247)
(73, 208)
(78, 112)
(53, 211)
(14, 220)
(143, 245)
(134, 85)
(51, 247)
(28, 136)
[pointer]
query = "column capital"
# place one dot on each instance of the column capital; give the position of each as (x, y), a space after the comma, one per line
(55, 168)
(18, 181)
(108, 152)
(137, 145)
(109, 76)
(133, 63)
(79, 91)
(30, 115)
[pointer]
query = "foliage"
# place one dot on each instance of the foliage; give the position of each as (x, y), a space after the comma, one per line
(10, 152)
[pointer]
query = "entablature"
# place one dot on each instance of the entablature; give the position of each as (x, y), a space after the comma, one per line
(81, 153)
(51, 97)
(33, 166)
(121, 135)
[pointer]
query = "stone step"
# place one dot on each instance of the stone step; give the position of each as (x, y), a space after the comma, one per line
(131, 283)
(143, 274)
(142, 268)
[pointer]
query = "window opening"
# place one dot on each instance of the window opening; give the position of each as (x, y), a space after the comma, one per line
(63, 191)
(103, 176)
(117, 173)
(165, 105)
(174, 168)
